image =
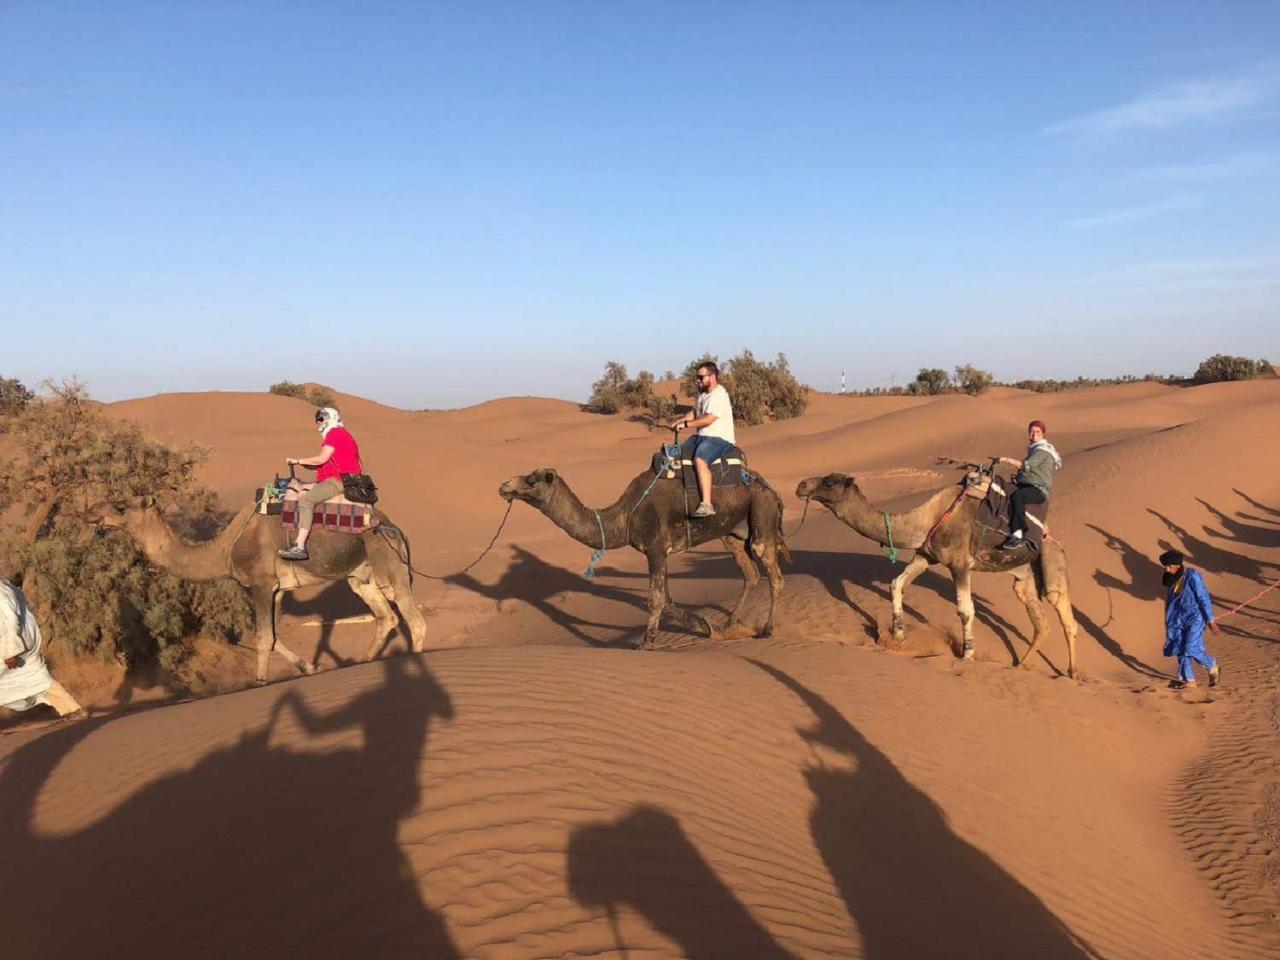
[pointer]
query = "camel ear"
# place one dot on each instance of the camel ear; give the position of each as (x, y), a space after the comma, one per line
(849, 481)
(145, 502)
(548, 475)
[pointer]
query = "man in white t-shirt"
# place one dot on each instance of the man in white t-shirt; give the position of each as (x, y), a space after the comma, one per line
(713, 417)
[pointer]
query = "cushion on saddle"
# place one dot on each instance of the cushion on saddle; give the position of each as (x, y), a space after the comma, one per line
(339, 515)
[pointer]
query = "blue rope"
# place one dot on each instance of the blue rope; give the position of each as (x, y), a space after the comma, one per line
(599, 554)
(892, 552)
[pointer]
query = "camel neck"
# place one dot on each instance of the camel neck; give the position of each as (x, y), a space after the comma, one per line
(190, 561)
(584, 523)
(909, 527)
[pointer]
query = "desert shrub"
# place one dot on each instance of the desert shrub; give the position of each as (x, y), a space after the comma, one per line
(764, 391)
(1221, 367)
(13, 396)
(316, 396)
(930, 381)
(92, 589)
(972, 380)
(759, 391)
(287, 388)
(615, 392)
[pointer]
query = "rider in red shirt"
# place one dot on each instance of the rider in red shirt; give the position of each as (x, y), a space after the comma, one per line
(339, 455)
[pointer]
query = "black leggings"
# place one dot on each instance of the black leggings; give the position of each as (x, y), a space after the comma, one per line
(1018, 501)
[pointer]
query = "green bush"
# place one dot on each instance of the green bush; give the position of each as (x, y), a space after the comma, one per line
(930, 381)
(972, 380)
(316, 396)
(13, 396)
(92, 589)
(1221, 367)
(615, 392)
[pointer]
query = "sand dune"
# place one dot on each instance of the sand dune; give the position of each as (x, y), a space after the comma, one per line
(537, 789)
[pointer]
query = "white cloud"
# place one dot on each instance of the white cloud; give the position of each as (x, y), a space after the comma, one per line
(1239, 165)
(1178, 103)
(1135, 214)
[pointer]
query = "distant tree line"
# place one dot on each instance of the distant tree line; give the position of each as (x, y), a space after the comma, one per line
(932, 381)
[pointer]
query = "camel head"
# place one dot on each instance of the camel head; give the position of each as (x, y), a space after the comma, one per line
(830, 489)
(116, 513)
(533, 488)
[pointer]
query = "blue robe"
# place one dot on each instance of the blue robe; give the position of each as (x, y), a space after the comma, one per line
(1186, 612)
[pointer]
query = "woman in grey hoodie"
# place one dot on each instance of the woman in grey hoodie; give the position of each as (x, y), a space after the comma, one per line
(1034, 480)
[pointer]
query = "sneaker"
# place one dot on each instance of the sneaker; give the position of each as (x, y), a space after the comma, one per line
(1013, 543)
(1215, 675)
(704, 510)
(1182, 684)
(293, 553)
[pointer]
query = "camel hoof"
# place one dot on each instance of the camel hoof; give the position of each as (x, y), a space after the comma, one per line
(260, 682)
(306, 669)
(967, 652)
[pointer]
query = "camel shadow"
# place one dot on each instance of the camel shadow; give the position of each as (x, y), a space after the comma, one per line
(255, 850)
(1144, 572)
(645, 861)
(836, 570)
(1212, 558)
(911, 885)
(530, 579)
(1258, 506)
(1266, 537)
(335, 602)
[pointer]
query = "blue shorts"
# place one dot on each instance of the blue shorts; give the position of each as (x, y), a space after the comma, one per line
(709, 449)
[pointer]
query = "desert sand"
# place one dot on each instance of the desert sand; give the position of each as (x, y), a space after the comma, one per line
(535, 787)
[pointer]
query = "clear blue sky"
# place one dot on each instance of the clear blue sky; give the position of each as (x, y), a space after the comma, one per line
(433, 204)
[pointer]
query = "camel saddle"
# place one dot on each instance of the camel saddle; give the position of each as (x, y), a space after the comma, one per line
(338, 515)
(729, 470)
(993, 514)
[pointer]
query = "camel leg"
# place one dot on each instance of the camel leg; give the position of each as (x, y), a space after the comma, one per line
(1061, 600)
(264, 612)
(769, 557)
(658, 599)
(917, 566)
(964, 608)
(750, 575)
(1024, 585)
(384, 618)
(690, 621)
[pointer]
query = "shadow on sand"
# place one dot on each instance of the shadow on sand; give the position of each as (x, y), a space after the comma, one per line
(912, 886)
(255, 851)
(645, 861)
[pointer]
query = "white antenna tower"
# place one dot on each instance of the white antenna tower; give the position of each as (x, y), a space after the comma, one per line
(842, 381)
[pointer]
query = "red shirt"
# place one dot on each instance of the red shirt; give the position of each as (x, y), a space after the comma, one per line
(345, 459)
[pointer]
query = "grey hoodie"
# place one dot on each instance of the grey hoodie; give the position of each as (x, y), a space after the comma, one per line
(1038, 468)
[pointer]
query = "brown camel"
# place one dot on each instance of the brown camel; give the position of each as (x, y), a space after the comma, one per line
(657, 525)
(246, 551)
(953, 544)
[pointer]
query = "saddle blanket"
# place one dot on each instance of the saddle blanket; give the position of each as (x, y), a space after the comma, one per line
(993, 518)
(339, 515)
(730, 470)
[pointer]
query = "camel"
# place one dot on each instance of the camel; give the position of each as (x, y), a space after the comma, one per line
(952, 544)
(657, 525)
(246, 552)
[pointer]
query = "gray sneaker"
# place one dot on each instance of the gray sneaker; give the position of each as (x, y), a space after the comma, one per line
(704, 510)
(293, 553)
